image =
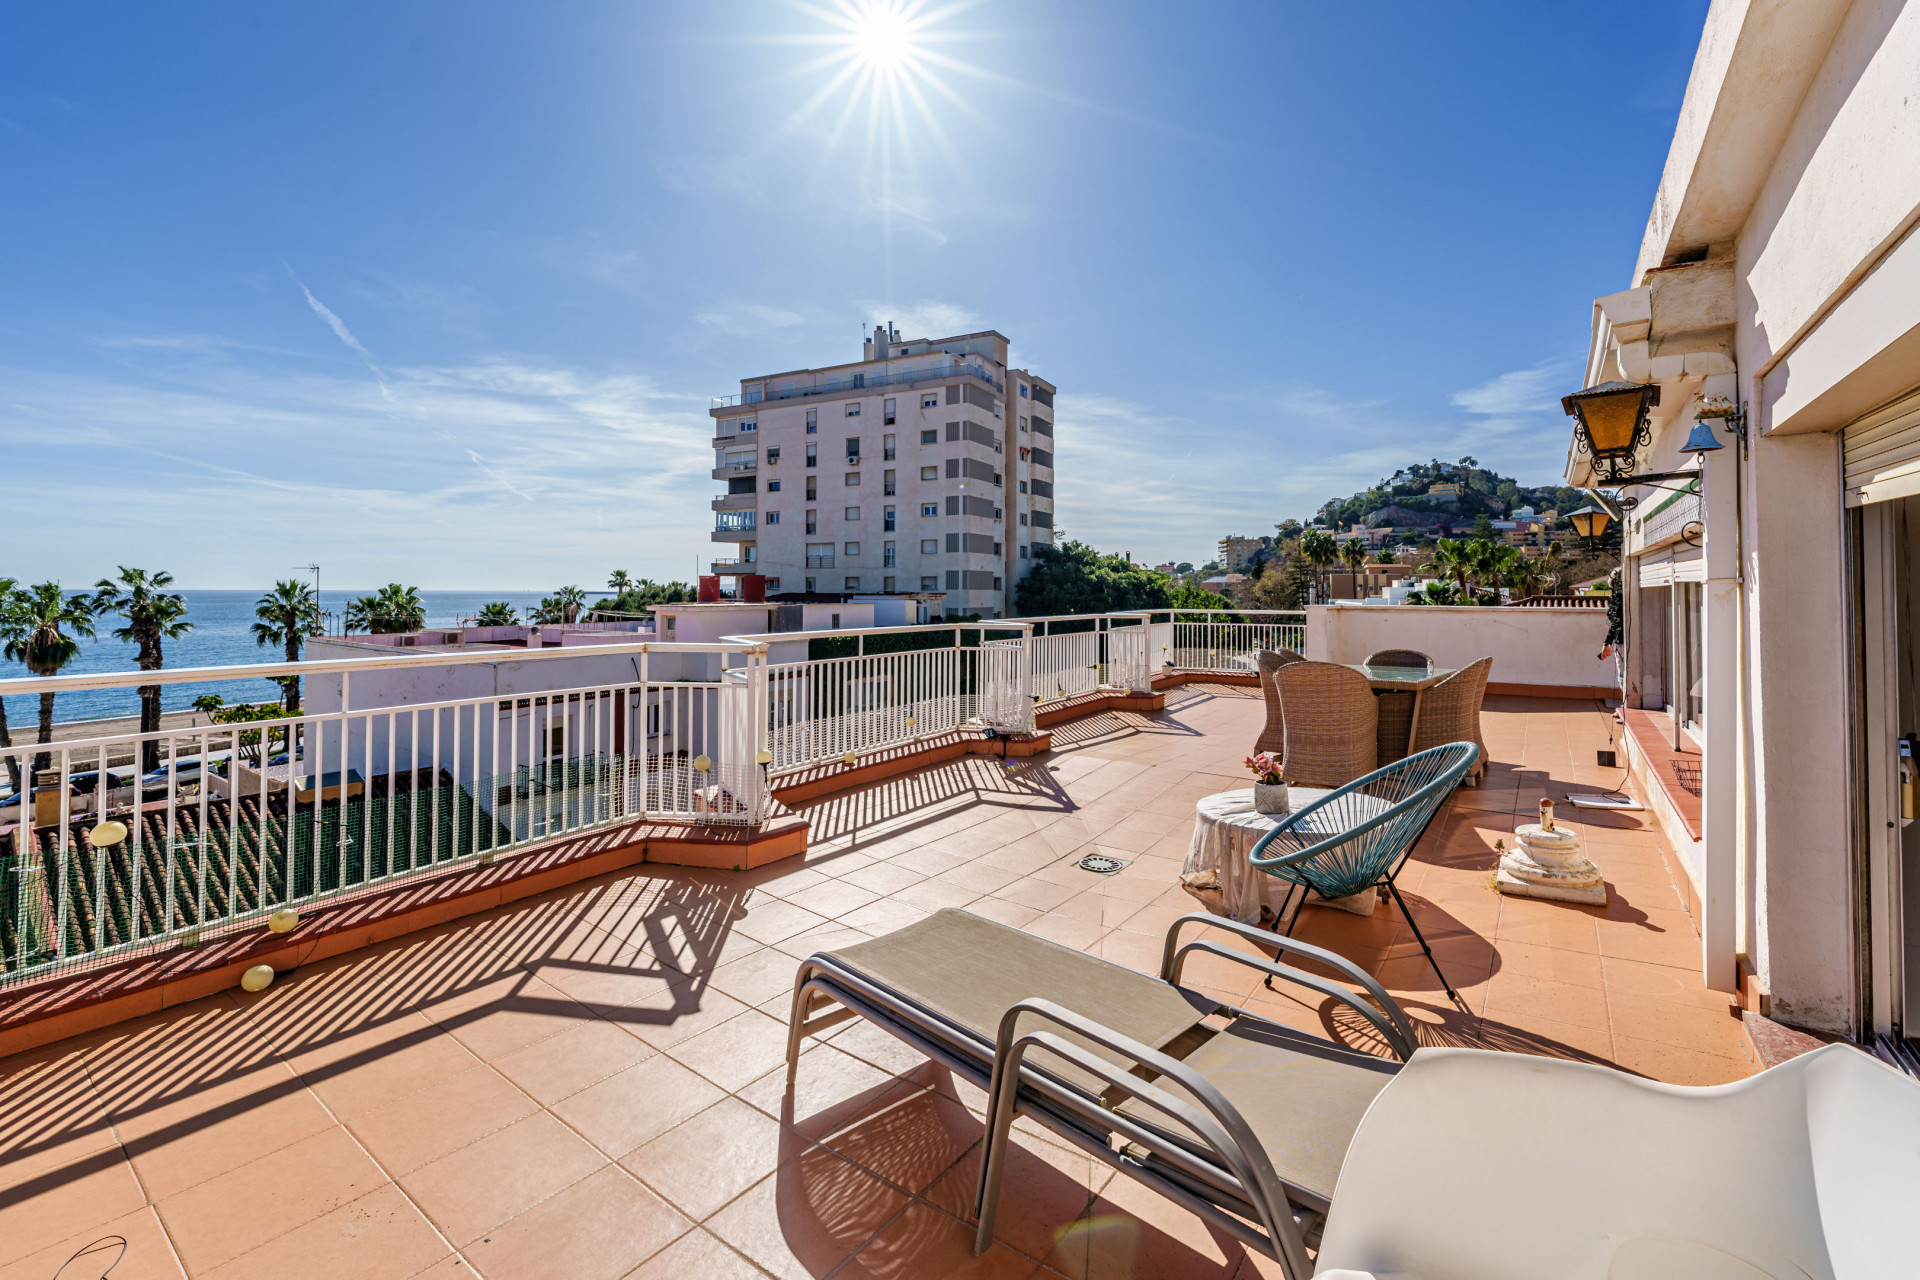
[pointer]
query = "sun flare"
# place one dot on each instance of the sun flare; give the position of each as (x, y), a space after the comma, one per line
(882, 37)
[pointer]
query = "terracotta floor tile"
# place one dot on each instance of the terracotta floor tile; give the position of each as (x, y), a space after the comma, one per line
(831, 1091)
(1037, 894)
(406, 1134)
(637, 1105)
(1675, 1064)
(935, 895)
(981, 877)
(65, 1202)
(517, 1013)
(809, 1217)
(826, 937)
(697, 1254)
(374, 1075)
(1068, 932)
(759, 976)
(1671, 1022)
(1547, 1038)
(883, 878)
(737, 1052)
(835, 899)
(1556, 964)
(909, 1139)
(883, 916)
(380, 1236)
(678, 1013)
(561, 1065)
(1522, 997)
(925, 1244)
(220, 1219)
(1649, 945)
(145, 1255)
(1566, 929)
(597, 1229)
(1133, 1231)
(486, 1182)
(709, 1159)
(1662, 982)
(194, 1148)
(1045, 1192)
(777, 921)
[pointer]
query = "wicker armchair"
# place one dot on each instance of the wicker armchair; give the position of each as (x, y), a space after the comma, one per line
(1274, 736)
(1331, 725)
(1400, 658)
(1450, 712)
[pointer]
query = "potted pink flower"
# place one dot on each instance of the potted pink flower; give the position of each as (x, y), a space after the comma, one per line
(1269, 787)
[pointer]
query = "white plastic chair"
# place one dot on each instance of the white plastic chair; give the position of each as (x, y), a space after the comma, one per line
(1500, 1166)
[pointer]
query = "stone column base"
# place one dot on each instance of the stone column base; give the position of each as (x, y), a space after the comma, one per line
(1549, 864)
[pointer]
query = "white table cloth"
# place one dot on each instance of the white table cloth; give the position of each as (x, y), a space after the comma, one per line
(1225, 829)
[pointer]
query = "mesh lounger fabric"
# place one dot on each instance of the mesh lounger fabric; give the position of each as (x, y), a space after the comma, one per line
(1302, 1096)
(971, 970)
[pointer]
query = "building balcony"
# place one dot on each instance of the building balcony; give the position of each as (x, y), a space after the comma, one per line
(591, 1065)
(728, 470)
(736, 502)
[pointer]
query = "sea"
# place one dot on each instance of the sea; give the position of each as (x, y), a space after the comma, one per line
(222, 635)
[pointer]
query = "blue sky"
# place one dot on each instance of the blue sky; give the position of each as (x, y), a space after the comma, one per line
(439, 293)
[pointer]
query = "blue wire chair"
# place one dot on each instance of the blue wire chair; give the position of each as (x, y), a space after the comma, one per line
(1360, 835)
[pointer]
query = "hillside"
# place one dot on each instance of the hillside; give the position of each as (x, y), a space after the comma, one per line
(1406, 498)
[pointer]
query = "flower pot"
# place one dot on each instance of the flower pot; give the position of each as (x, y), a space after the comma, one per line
(1270, 797)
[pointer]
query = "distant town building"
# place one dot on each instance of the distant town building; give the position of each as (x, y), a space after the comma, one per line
(1237, 553)
(925, 466)
(1445, 489)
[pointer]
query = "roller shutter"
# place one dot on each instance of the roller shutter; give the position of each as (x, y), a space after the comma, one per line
(1881, 453)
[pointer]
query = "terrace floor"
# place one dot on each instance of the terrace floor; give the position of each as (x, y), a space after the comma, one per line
(590, 1084)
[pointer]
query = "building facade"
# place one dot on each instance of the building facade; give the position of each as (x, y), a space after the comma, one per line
(927, 465)
(1237, 553)
(1770, 628)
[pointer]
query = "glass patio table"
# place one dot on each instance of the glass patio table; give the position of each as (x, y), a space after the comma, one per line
(1414, 680)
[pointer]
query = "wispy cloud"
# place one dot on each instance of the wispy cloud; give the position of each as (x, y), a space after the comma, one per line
(756, 320)
(1519, 392)
(925, 319)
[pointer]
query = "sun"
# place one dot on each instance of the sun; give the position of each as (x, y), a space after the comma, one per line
(882, 37)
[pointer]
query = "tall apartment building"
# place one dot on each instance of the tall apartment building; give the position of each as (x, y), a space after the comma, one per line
(926, 466)
(1236, 553)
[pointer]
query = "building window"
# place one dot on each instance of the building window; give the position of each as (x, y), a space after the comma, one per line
(886, 585)
(853, 479)
(773, 517)
(813, 455)
(813, 425)
(853, 513)
(887, 446)
(773, 584)
(930, 437)
(889, 519)
(853, 584)
(929, 508)
(749, 426)
(996, 515)
(929, 473)
(851, 549)
(1023, 517)
(853, 451)
(887, 559)
(819, 555)
(1023, 391)
(931, 400)
(930, 582)
(996, 584)
(999, 408)
(810, 587)
(1023, 551)
(813, 522)
(813, 488)
(996, 479)
(853, 408)
(773, 486)
(1023, 486)
(996, 548)
(886, 483)
(886, 412)
(929, 546)
(773, 455)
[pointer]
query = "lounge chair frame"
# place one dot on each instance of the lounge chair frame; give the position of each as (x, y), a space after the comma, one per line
(1203, 1156)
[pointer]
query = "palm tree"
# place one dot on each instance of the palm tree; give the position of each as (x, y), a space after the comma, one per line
(547, 612)
(1318, 547)
(1353, 554)
(1523, 575)
(1451, 557)
(153, 615)
(618, 582)
(498, 613)
(286, 616)
(571, 600)
(35, 628)
(392, 610)
(9, 595)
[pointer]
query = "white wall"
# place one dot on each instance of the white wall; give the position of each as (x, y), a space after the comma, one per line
(1557, 647)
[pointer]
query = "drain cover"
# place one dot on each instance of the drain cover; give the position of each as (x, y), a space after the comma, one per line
(1100, 864)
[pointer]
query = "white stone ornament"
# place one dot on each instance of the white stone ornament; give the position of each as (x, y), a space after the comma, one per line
(1546, 862)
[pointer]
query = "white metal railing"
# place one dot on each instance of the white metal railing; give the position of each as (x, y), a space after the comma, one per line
(1194, 641)
(220, 825)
